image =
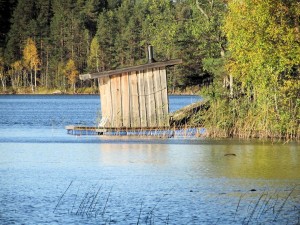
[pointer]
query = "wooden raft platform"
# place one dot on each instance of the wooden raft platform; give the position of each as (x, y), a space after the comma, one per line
(158, 132)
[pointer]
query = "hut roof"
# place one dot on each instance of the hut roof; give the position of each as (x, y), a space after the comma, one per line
(130, 69)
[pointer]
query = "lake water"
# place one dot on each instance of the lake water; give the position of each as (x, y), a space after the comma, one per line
(49, 177)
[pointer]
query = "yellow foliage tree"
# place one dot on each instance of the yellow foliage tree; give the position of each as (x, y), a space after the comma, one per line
(15, 73)
(94, 57)
(264, 44)
(71, 73)
(31, 60)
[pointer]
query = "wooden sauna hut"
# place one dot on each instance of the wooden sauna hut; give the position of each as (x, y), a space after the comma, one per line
(134, 97)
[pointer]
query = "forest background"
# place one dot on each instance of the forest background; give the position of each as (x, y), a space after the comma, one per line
(244, 55)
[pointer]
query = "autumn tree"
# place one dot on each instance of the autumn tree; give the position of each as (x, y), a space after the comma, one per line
(16, 74)
(71, 73)
(263, 43)
(106, 35)
(31, 60)
(94, 56)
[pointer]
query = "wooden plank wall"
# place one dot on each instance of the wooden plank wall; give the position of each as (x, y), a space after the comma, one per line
(135, 109)
(142, 99)
(136, 99)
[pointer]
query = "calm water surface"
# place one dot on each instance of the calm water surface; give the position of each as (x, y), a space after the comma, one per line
(49, 177)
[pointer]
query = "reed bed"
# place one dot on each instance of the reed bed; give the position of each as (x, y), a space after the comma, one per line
(94, 202)
(276, 207)
(98, 202)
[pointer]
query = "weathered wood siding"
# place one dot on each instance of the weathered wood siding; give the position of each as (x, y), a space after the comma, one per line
(136, 99)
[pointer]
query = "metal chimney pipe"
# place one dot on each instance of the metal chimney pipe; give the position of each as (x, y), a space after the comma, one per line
(150, 54)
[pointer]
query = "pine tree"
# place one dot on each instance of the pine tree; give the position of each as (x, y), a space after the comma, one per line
(89, 11)
(68, 36)
(6, 11)
(106, 34)
(121, 42)
(44, 16)
(23, 26)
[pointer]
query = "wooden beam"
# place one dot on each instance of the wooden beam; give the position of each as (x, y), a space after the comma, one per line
(130, 69)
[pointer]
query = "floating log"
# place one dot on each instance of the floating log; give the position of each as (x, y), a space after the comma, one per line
(186, 115)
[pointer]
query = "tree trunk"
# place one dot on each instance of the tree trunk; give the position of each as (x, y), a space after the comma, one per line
(47, 69)
(3, 81)
(31, 81)
(35, 77)
(97, 61)
(231, 85)
(230, 76)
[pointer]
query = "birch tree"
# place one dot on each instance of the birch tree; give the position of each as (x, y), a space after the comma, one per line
(3, 76)
(31, 61)
(71, 73)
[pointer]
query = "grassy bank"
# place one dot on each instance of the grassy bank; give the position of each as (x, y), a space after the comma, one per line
(243, 118)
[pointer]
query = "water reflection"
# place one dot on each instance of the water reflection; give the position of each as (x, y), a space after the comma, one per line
(185, 181)
(257, 161)
(124, 154)
(231, 161)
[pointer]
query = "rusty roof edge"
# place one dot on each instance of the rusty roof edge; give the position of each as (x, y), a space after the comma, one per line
(130, 69)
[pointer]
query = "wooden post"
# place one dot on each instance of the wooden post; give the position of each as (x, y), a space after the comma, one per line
(134, 101)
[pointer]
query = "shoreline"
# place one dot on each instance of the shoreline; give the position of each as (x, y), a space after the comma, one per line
(170, 94)
(188, 117)
(67, 93)
(193, 90)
